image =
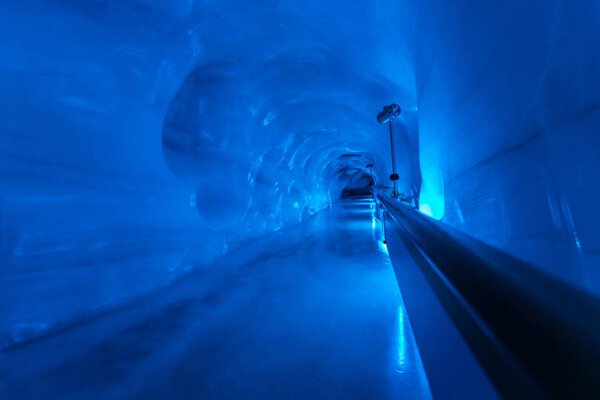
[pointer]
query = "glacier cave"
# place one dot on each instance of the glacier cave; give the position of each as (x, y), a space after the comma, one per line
(197, 199)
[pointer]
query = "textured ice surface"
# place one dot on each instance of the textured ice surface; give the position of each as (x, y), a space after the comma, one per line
(135, 133)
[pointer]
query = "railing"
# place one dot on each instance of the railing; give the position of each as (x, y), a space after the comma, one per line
(533, 335)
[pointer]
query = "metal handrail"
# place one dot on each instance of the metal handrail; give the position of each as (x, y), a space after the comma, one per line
(534, 335)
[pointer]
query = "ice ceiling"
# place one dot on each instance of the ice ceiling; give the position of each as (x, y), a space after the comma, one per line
(275, 129)
(278, 116)
(183, 126)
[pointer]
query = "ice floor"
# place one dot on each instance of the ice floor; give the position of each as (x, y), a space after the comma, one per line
(312, 311)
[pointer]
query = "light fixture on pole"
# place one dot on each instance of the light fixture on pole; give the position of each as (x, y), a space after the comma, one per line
(385, 117)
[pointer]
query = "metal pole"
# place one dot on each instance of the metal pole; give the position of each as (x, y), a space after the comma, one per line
(385, 117)
(395, 192)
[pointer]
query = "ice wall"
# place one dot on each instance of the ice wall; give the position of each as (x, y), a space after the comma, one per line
(508, 98)
(89, 213)
(138, 133)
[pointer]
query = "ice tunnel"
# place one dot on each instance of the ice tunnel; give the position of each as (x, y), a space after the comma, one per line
(195, 199)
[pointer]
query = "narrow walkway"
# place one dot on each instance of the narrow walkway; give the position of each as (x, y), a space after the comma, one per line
(312, 312)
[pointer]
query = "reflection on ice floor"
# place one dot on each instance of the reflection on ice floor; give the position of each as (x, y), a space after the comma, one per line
(310, 312)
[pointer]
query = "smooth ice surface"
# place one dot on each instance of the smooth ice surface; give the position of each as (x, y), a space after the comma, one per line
(311, 312)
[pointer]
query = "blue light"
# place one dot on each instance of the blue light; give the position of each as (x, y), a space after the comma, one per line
(138, 132)
(426, 209)
(432, 204)
(383, 247)
(432, 195)
(401, 339)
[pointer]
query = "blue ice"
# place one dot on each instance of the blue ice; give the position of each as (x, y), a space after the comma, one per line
(148, 144)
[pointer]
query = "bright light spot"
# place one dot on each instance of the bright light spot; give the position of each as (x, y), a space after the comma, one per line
(296, 204)
(432, 198)
(426, 209)
(401, 339)
(383, 247)
(433, 208)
